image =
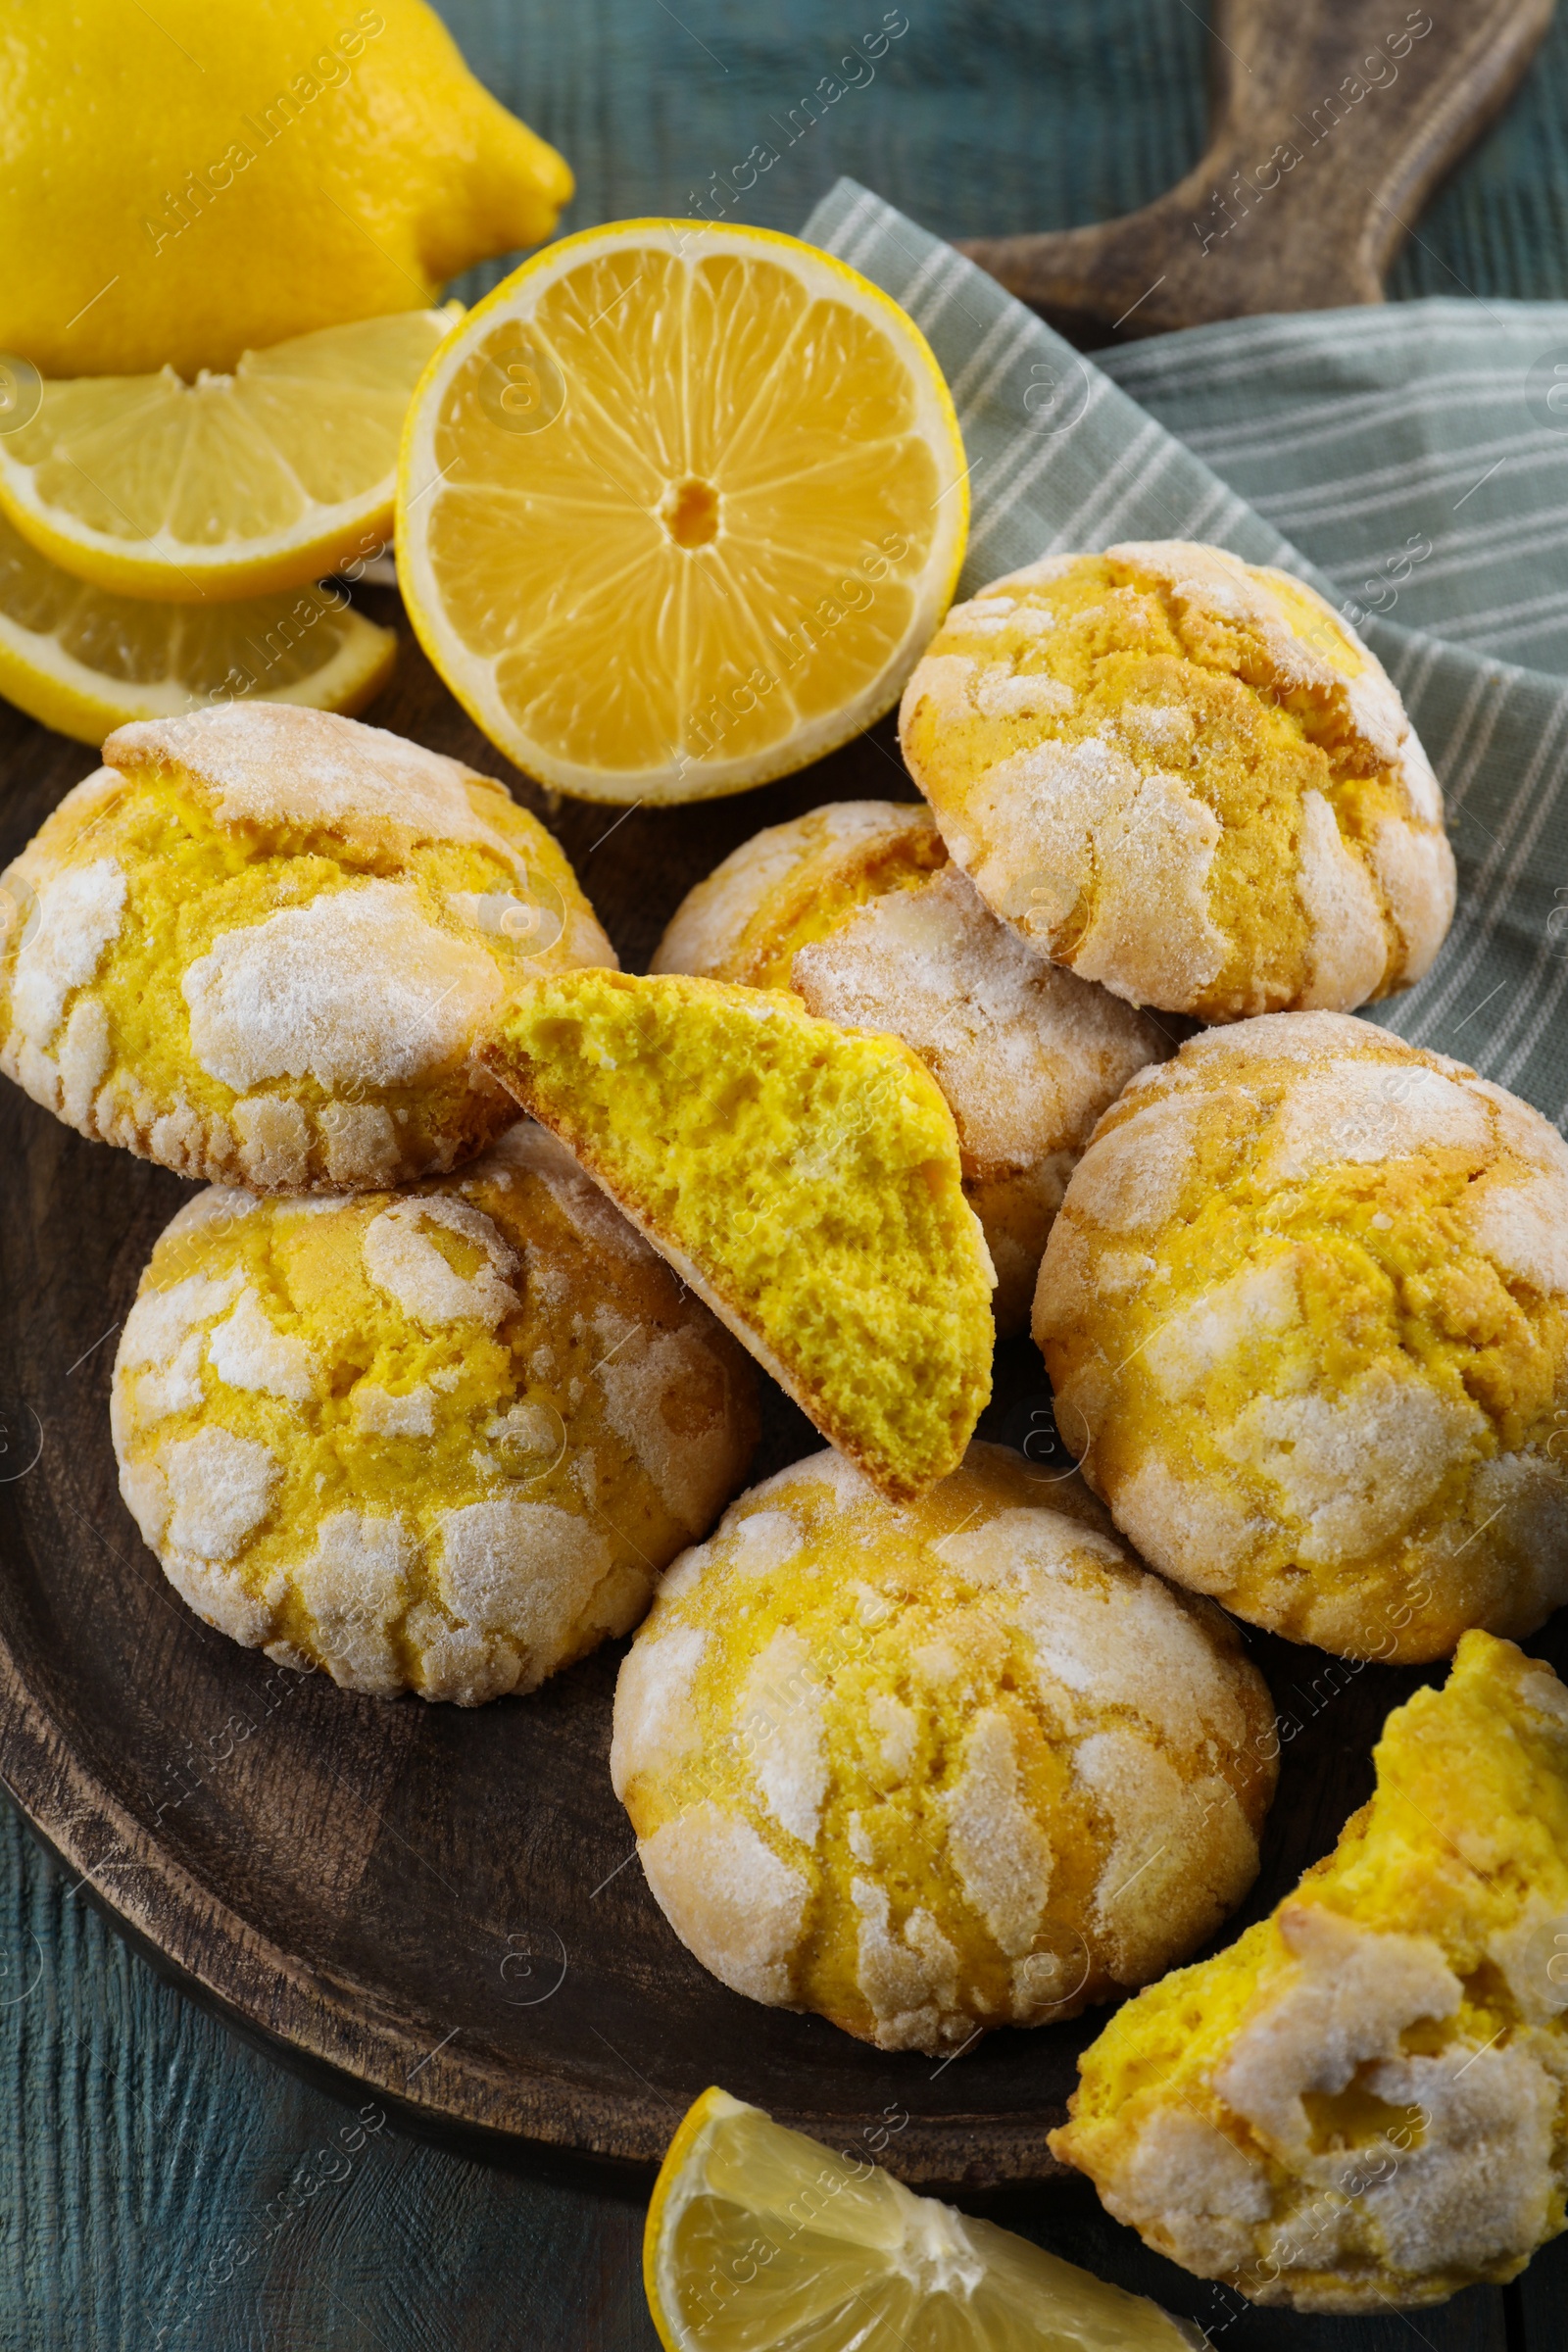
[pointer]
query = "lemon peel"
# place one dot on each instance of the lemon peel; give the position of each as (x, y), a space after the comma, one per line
(293, 166)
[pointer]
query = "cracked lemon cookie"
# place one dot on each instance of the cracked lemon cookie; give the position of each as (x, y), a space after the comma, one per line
(794, 883)
(259, 943)
(1186, 777)
(1305, 1310)
(803, 1179)
(440, 1440)
(856, 909)
(932, 1769)
(1362, 2103)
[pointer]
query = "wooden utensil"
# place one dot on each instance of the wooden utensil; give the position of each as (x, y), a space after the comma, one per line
(1332, 121)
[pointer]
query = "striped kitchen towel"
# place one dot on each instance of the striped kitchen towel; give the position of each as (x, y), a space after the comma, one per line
(1411, 459)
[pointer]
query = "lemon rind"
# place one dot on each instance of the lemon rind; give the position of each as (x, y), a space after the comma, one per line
(53, 687)
(693, 2128)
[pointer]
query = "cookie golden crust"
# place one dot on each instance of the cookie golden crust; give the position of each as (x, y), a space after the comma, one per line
(1363, 2101)
(803, 1179)
(1186, 777)
(438, 1440)
(1305, 1310)
(259, 943)
(932, 1768)
(794, 883)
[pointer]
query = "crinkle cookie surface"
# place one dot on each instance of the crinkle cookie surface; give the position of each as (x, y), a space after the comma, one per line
(257, 946)
(793, 883)
(1364, 2101)
(1186, 777)
(440, 1440)
(1305, 1311)
(854, 908)
(936, 1768)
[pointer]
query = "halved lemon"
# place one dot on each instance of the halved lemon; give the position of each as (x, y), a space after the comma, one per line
(232, 486)
(85, 662)
(679, 507)
(761, 2240)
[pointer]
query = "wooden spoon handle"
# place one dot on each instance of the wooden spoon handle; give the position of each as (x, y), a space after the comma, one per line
(1332, 119)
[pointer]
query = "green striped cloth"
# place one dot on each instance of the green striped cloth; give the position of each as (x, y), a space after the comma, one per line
(1411, 461)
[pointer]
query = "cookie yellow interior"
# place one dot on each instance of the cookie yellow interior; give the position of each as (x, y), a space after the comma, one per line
(806, 1178)
(1463, 1850)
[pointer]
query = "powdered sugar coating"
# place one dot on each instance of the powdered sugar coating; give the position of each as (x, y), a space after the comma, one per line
(402, 1260)
(957, 1725)
(278, 763)
(745, 921)
(366, 1434)
(1354, 2108)
(263, 946)
(286, 997)
(1085, 773)
(1330, 1396)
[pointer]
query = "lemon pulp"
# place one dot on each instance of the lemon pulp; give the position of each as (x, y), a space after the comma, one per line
(85, 662)
(679, 507)
(228, 486)
(761, 2240)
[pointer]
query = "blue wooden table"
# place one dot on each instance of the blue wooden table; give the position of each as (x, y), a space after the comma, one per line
(163, 2187)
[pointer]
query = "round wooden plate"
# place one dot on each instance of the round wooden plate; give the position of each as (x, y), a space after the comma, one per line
(444, 1904)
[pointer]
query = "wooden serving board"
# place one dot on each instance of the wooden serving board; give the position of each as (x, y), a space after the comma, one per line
(443, 1905)
(1331, 122)
(440, 1903)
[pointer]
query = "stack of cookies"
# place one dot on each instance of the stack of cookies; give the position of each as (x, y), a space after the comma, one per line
(401, 1396)
(917, 1736)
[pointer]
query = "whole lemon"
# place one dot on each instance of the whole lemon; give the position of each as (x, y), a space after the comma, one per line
(294, 164)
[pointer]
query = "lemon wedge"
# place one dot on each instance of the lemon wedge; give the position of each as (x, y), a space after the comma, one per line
(230, 486)
(761, 2240)
(85, 662)
(678, 508)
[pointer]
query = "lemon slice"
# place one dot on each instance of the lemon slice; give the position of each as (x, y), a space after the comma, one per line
(232, 486)
(678, 508)
(85, 662)
(759, 2240)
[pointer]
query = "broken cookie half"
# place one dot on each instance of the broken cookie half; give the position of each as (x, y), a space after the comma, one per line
(1358, 2104)
(803, 1179)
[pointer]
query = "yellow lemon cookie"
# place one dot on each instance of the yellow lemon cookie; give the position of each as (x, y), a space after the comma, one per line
(932, 1768)
(440, 1440)
(803, 1179)
(259, 943)
(1362, 2103)
(856, 909)
(1305, 1310)
(1186, 777)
